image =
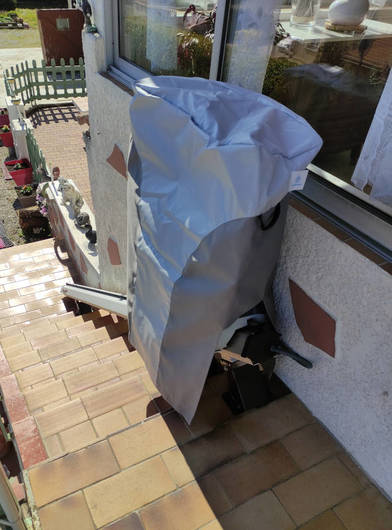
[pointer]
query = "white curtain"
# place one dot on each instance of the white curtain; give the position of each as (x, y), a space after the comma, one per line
(374, 165)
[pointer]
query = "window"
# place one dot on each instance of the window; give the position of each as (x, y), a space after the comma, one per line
(334, 80)
(167, 37)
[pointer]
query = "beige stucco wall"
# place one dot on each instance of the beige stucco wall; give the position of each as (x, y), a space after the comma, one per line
(351, 393)
(109, 125)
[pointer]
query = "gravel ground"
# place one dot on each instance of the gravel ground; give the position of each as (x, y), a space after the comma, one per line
(9, 205)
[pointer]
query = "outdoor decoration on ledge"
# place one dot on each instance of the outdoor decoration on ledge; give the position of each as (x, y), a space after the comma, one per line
(87, 12)
(71, 196)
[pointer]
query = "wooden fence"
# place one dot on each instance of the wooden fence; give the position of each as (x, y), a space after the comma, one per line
(37, 159)
(36, 83)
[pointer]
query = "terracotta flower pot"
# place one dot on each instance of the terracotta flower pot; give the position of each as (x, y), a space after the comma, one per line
(4, 119)
(7, 139)
(21, 176)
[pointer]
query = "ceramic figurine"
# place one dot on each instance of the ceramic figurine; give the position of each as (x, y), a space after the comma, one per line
(91, 234)
(83, 219)
(348, 12)
(71, 196)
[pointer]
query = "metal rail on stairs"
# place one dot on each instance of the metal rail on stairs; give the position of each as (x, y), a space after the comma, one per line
(113, 302)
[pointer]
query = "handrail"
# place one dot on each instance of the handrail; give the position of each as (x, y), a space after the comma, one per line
(113, 302)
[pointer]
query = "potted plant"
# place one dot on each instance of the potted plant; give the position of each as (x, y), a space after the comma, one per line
(26, 195)
(4, 118)
(6, 136)
(20, 170)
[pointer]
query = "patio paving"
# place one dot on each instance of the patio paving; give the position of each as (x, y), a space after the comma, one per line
(59, 135)
(104, 450)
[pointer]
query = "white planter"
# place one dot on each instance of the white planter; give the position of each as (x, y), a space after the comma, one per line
(348, 12)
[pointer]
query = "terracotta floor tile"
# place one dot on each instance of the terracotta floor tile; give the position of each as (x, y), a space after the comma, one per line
(125, 492)
(209, 414)
(44, 394)
(110, 422)
(129, 362)
(72, 361)
(18, 349)
(61, 418)
(213, 525)
(131, 522)
(326, 521)
(367, 511)
(214, 494)
(91, 337)
(212, 450)
(317, 489)
(355, 470)
(89, 377)
(53, 480)
(68, 513)
(310, 445)
(186, 509)
(263, 512)
(272, 422)
(112, 347)
(13, 340)
(36, 374)
(24, 317)
(24, 360)
(77, 437)
(252, 474)
(140, 409)
(142, 441)
(48, 339)
(53, 446)
(68, 345)
(178, 467)
(113, 397)
(37, 330)
(178, 427)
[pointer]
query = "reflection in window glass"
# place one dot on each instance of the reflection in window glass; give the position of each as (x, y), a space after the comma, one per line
(334, 80)
(169, 37)
(249, 41)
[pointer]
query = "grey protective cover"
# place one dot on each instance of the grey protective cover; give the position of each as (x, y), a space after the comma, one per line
(206, 160)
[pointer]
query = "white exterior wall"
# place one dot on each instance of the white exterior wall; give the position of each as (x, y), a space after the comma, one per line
(351, 393)
(109, 125)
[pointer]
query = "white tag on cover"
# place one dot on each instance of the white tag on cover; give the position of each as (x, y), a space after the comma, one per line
(298, 179)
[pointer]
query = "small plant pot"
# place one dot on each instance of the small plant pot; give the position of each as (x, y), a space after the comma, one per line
(23, 176)
(26, 200)
(7, 139)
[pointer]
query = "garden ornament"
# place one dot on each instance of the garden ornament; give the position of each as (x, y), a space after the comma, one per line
(71, 195)
(82, 219)
(91, 234)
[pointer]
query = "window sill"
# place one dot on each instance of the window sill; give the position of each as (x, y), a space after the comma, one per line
(119, 79)
(342, 231)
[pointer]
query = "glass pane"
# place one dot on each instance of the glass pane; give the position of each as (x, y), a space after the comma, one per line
(333, 79)
(169, 37)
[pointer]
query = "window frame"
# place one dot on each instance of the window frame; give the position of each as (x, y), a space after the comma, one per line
(354, 211)
(136, 72)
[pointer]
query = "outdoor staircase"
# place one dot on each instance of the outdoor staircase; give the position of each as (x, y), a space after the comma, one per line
(101, 449)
